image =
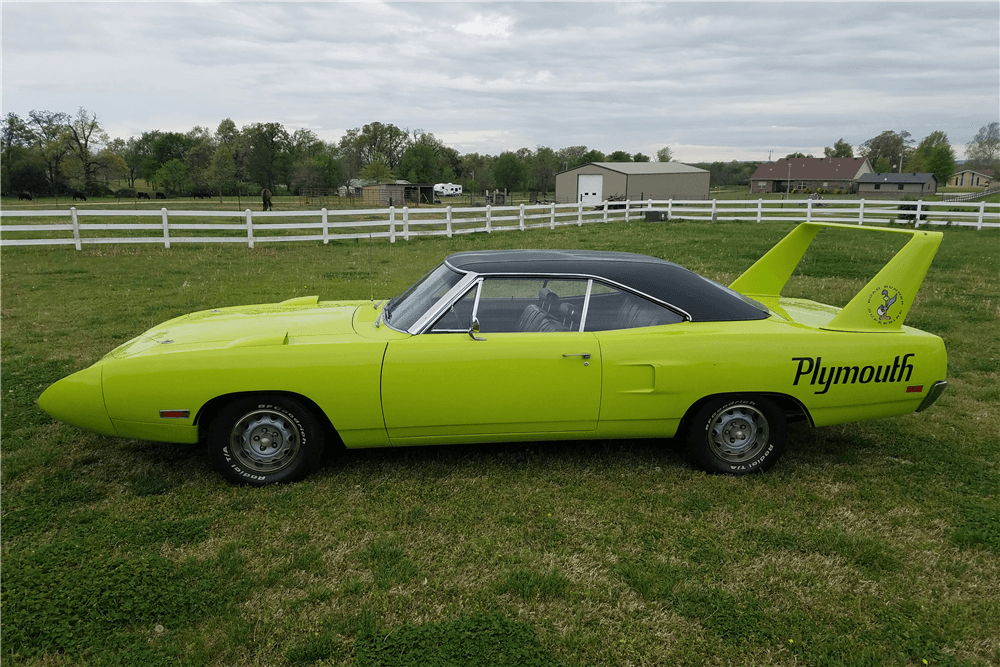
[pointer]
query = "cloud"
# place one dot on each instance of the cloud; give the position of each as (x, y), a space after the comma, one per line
(488, 77)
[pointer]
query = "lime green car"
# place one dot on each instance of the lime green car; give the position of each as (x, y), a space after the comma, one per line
(524, 345)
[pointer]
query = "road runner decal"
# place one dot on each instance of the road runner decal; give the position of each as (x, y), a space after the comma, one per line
(885, 305)
(813, 370)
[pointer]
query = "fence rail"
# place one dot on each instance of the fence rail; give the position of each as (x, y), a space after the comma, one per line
(325, 225)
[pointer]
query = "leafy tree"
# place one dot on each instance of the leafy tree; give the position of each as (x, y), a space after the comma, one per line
(889, 146)
(221, 174)
(377, 142)
(509, 171)
(840, 149)
(267, 157)
(983, 152)
(542, 171)
(664, 154)
(639, 157)
(935, 155)
(48, 132)
(173, 175)
(791, 156)
(620, 156)
(377, 172)
(420, 163)
(478, 172)
(572, 156)
(593, 155)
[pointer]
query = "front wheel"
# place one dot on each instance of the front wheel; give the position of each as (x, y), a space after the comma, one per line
(265, 439)
(737, 435)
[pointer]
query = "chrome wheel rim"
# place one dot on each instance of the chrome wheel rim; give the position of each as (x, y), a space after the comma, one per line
(738, 434)
(265, 441)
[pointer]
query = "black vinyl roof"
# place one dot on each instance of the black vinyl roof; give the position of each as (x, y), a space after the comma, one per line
(704, 300)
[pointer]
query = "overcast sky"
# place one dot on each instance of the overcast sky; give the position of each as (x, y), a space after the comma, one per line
(714, 81)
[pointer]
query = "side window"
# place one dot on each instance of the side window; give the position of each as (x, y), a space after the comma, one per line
(611, 308)
(508, 305)
(531, 305)
(458, 318)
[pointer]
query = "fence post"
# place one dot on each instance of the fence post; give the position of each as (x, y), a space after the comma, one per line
(605, 210)
(166, 228)
(628, 205)
(715, 212)
(861, 212)
(520, 222)
(489, 218)
(552, 224)
(670, 208)
(579, 213)
(916, 222)
(760, 209)
(447, 216)
(76, 228)
(809, 210)
(982, 210)
(249, 228)
(392, 224)
(326, 229)
(406, 223)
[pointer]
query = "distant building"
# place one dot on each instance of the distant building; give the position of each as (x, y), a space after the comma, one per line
(812, 173)
(897, 185)
(970, 179)
(594, 182)
(382, 195)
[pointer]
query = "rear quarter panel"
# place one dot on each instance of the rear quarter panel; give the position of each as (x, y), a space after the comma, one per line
(653, 376)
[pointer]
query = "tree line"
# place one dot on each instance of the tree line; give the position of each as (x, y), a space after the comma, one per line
(54, 153)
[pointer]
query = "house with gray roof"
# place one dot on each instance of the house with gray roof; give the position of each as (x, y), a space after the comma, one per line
(815, 174)
(894, 186)
(594, 182)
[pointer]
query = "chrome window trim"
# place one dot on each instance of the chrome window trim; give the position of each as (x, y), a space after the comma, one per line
(601, 279)
(425, 322)
(586, 304)
(436, 310)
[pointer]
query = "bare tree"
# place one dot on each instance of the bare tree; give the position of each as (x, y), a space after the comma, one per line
(86, 138)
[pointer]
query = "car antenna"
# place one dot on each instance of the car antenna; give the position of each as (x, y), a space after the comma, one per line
(371, 269)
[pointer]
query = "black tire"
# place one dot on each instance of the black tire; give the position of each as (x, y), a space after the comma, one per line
(737, 435)
(265, 439)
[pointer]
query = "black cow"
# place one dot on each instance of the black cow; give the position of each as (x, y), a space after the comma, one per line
(142, 195)
(265, 195)
(160, 195)
(79, 195)
(24, 195)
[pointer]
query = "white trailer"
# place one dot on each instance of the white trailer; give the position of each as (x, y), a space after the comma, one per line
(447, 189)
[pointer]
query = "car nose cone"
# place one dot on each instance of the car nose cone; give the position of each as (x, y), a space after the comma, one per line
(79, 400)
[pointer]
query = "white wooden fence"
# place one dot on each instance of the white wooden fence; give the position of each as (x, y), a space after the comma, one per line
(70, 226)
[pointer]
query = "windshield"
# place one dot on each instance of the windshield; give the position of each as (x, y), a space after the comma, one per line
(403, 312)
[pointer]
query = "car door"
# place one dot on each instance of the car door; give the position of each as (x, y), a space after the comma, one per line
(642, 393)
(528, 370)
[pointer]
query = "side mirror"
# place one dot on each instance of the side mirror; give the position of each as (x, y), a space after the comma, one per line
(474, 330)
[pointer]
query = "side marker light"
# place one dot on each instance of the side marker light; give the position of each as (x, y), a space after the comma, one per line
(175, 414)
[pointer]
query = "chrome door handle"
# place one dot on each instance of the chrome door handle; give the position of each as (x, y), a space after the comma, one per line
(585, 356)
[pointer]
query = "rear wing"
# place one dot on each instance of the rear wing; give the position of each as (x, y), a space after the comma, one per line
(883, 303)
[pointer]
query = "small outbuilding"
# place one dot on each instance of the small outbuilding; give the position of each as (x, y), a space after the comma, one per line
(382, 195)
(897, 185)
(968, 178)
(595, 182)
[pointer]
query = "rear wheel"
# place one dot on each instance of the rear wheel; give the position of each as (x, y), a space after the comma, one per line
(265, 439)
(737, 435)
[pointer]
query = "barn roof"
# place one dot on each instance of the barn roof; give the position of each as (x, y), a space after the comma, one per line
(633, 168)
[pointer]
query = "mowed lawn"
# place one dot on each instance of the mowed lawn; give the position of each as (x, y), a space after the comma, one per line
(876, 543)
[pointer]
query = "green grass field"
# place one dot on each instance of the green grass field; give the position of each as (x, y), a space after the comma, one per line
(875, 543)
